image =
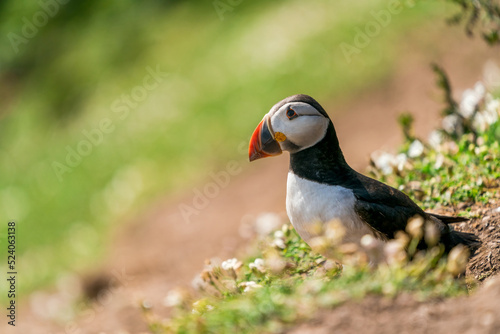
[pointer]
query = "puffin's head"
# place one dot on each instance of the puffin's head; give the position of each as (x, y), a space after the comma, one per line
(293, 124)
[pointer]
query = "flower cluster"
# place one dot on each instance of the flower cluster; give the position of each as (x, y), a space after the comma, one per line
(257, 265)
(295, 280)
(477, 108)
(476, 112)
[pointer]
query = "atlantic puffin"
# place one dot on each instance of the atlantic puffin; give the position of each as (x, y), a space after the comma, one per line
(322, 187)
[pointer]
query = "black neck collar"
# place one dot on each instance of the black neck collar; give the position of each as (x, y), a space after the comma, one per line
(323, 162)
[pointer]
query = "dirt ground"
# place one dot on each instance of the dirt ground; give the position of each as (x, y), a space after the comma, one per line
(477, 314)
(486, 261)
(158, 250)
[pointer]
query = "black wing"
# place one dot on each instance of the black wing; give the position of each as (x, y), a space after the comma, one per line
(448, 219)
(387, 210)
(384, 208)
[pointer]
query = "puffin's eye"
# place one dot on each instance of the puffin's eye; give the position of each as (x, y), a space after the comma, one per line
(291, 114)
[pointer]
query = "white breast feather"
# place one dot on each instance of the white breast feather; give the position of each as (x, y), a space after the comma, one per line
(309, 203)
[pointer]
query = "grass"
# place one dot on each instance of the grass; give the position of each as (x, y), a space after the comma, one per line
(454, 173)
(289, 300)
(295, 283)
(223, 76)
(469, 174)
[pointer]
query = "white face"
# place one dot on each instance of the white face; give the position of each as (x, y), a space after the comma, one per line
(301, 123)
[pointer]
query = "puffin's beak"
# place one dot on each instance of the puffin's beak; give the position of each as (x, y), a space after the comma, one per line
(263, 144)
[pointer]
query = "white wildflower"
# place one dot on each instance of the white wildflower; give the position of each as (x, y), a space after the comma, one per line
(439, 161)
(249, 286)
(435, 139)
(198, 283)
(489, 115)
(492, 105)
(431, 234)
(395, 252)
(374, 248)
(174, 298)
(258, 264)
(279, 243)
(457, 259)
(368, 241)
(279, 234)
(267, 222)
(231, 264)
(334, 232)
(416, 149)
(451, 124)
(480, 122)
(401, 161)
(470, 99)
(319, 244)
(383, 161)
(201, 306)
(415, 227)
(485, 118)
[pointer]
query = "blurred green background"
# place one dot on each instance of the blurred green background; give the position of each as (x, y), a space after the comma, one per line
(226, 63)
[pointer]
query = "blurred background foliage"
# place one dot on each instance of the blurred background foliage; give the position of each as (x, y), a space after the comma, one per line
(481, 16)
(226, 66)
